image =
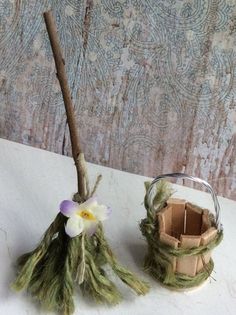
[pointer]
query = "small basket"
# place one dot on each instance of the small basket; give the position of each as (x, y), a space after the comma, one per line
(180, 235)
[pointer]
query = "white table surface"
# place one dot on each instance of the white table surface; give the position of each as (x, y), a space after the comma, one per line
(32, 184)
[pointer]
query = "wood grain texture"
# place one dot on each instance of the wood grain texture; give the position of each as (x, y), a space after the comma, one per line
(153, 83)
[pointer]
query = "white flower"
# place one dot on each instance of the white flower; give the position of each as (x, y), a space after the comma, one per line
(83, 217)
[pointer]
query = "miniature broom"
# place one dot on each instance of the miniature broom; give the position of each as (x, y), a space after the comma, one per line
(73, 251)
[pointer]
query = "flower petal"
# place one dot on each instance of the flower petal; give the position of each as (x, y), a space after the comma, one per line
(89, 204)
(101, 212)
(74, 226)
(90, 227)
(68, 207)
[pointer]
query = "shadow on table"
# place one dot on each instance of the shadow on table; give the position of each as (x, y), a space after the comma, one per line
(138, 252)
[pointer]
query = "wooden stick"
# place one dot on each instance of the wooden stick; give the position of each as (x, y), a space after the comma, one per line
(62, 77)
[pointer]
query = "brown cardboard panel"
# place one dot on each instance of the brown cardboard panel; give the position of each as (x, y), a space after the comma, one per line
(176, 201)
(206, 238)
(206, 223)
(188, 265)
(167, 213)
(172, 242)
(178, 212)
(193, 220)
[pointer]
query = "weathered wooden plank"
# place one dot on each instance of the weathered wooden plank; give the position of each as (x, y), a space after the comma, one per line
(188, 265)
(152, 84)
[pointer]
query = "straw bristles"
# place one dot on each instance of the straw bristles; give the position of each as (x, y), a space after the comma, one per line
(53, 270)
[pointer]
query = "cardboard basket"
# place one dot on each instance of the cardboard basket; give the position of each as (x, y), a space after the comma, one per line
(182, 225)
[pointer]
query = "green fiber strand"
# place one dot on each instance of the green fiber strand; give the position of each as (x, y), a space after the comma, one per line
(125, 275)
(53, 271)
(28, 261)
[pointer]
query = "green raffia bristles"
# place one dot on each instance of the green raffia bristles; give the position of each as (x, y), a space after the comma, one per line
(125, 275)
(29, 261)
(52, 271)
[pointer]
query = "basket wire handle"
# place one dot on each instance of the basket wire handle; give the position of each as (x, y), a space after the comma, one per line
(197, 180)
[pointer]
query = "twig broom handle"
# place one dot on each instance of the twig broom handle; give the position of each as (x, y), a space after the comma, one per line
(62, 77)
